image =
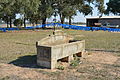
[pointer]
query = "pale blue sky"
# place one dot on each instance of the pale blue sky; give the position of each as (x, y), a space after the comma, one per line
(80, 17)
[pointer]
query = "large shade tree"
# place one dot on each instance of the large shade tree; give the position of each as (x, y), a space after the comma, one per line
(113, 7)
(69, 8)
(7, 11)
(27, 8)
(46, 10)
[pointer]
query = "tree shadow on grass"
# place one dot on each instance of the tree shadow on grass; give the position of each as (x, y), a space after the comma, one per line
(29, 61)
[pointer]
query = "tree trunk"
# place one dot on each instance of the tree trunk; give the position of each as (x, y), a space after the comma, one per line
(70, 20)
(62, 20)
(30, 22)
(10, 22)
(36, 22)
(33, 24)
(7, 23)
(24, 22)
(43, 22)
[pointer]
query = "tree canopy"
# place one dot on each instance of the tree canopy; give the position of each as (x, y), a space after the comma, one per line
(114, 7)
(7, 10)
(36, 10)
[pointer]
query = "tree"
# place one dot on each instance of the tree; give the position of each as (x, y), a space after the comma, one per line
(7, 11)
(46, 10)
(113, 7)
(68, 12)
(100, 5)
(62, 6)
(33, 13)
(35, 10)
(69, 8)
(27, 8)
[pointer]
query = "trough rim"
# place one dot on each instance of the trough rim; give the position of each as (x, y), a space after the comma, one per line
(59, 44)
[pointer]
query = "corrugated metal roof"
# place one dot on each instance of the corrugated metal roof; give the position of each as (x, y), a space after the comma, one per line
(97, 17)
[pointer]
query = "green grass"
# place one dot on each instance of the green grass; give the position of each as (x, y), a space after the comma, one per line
(19, 48)
(99, 40)
(16, 44)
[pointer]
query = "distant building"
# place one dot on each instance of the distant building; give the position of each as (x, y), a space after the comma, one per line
(105, 21)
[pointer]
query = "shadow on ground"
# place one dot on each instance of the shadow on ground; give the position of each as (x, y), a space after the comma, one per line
(28, 61)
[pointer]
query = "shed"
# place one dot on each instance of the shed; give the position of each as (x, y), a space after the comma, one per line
(104, 21)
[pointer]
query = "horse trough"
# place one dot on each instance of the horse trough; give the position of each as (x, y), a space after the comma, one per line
(58, 46)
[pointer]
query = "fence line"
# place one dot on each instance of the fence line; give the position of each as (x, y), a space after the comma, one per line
(65, 26)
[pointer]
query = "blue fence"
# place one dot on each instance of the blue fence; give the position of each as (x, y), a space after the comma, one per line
(66, 26)
(8, 29)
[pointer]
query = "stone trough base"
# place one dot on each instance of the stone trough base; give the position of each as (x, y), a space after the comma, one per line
(62, 48)
(54, 63)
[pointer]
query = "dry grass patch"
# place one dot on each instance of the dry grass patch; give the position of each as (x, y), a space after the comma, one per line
(19, 48)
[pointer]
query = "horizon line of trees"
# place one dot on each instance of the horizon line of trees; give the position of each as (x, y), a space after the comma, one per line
(39, 10)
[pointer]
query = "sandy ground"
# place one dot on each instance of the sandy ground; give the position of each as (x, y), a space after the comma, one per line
(104, 58)
(22, 73)
(12, 72)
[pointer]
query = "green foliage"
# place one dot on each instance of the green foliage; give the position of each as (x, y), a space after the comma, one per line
(18, 22)
(36, 10)
(100, 5)
(113, 6)
(7, 10)
(60, 67)
(75, 62)
(86, 9)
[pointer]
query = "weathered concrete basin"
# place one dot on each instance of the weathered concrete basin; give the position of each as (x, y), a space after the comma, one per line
(55, 47)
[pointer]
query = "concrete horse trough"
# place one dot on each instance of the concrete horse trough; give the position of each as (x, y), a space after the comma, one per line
(56, 47)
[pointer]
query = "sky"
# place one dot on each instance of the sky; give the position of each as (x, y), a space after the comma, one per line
(80, 17)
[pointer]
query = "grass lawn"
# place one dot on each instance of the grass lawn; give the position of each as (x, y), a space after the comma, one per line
(19, 48)
(99, 40)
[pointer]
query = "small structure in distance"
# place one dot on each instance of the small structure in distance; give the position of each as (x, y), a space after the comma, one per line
(105, 21)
